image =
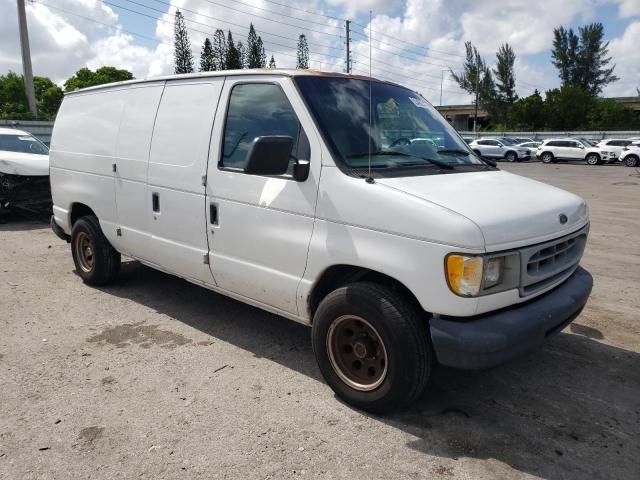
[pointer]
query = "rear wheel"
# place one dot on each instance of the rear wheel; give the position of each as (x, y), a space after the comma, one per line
(546, 157)
(372, 347)
(511, 157)
(593, 159)
(631, 161)
(96, 261)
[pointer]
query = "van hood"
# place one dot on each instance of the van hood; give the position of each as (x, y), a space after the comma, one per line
(25, 164)
(510, 210)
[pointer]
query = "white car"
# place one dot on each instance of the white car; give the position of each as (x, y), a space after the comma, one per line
(631, 154)
(614, 147)
(271, 187)
(561, 149)
(493, 148)
(24, 170)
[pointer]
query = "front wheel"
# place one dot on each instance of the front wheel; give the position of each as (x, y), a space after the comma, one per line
(547, 157)
(631, 161)
(372, 347)
(592, 159)
(511, 157)
(96, 261)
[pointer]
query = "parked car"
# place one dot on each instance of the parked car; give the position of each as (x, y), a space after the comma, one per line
(272, 187)
(614, 146)
(631, 155)
(532, 146)
(561, 149)
(499, 148)
(518, 140)
(24, 171)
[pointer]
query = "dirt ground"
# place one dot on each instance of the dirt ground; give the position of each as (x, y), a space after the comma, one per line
(157, 378)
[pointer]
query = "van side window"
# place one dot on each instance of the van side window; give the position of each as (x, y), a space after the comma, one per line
(256, 110)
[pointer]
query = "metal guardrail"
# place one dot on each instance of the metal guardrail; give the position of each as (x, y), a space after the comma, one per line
(40, 130)
(590, 135)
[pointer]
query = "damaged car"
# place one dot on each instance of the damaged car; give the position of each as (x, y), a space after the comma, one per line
(24, 171)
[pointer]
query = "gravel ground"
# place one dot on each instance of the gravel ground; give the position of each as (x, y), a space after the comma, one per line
(157, 378)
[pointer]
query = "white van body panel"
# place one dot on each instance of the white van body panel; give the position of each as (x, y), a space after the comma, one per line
(260, 243)
(177, 163)
(529, 216)
(131, 159)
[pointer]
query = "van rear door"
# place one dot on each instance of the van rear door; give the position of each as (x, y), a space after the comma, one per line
(175, 202)
(259, 226)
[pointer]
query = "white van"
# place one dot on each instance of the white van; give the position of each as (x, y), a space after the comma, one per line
(302, 193)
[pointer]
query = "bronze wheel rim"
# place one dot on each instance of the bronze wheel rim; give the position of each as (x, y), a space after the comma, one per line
(84, 252)
(357, 353)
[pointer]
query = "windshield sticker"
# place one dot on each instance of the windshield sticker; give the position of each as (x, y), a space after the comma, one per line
(419, 102)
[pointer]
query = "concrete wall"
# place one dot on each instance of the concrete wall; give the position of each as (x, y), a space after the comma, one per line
(40, 130)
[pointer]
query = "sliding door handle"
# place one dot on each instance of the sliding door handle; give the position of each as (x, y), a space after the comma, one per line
(213, 214)
(155, 202)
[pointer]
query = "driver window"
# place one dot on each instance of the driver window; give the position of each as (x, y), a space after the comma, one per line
(256, 110)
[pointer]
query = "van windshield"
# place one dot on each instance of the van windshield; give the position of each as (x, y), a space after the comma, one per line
(406, 131)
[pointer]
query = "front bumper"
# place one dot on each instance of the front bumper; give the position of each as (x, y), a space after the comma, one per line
(494, 338)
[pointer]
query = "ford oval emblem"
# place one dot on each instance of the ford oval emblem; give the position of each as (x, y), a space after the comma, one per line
(563, 218)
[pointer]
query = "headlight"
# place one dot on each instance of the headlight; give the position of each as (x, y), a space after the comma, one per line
(464, 274)
(473, 275)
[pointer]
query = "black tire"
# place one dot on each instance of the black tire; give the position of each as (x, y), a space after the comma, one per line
(547, 157)
(592, 159)
(631, 161)
(511, 157)
(405, 341)
(477, 152)
(101, 263)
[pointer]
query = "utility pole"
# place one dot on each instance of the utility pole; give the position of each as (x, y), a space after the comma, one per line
(347, 24)
(27, 72)
(441, 80)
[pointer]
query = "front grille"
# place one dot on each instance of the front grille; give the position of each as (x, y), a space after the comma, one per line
(551, 262)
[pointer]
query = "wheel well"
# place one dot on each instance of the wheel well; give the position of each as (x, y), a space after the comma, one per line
(477, 152)
(593, 153)
(79, 210)
(510, 151)
(547, 151)
(338, 276)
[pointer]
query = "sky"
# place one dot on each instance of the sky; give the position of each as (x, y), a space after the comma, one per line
(414, 42)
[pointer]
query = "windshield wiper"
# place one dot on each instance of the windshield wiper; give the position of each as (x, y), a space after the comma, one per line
(438, 163)
(454, 151)
(379, 152)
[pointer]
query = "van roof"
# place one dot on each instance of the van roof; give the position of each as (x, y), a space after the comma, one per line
(289, 72)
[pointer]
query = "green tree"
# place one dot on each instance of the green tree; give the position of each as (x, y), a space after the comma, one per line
(528, 113)
(207, 62)
(13, 99)
(568, 107)
(609, 114)
(85, 77)
(232, 60)
(476, 79)
(48, 97)
(254, 51)
(581, 59)
(263, 54)
(242, 52)
(272, 62)
(219, 51)
(505, 83)
(302, 56)
(183, 57)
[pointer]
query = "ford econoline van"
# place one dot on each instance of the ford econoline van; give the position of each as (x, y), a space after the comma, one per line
(302, 193)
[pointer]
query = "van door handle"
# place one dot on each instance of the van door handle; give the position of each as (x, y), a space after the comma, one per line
(213, 213)
(155, 202)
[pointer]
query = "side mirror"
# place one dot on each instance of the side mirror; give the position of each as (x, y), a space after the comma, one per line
(582, 147)
(269, 155)
(500, 145)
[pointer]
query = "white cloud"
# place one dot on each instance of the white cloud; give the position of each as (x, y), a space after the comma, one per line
(626, 55)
